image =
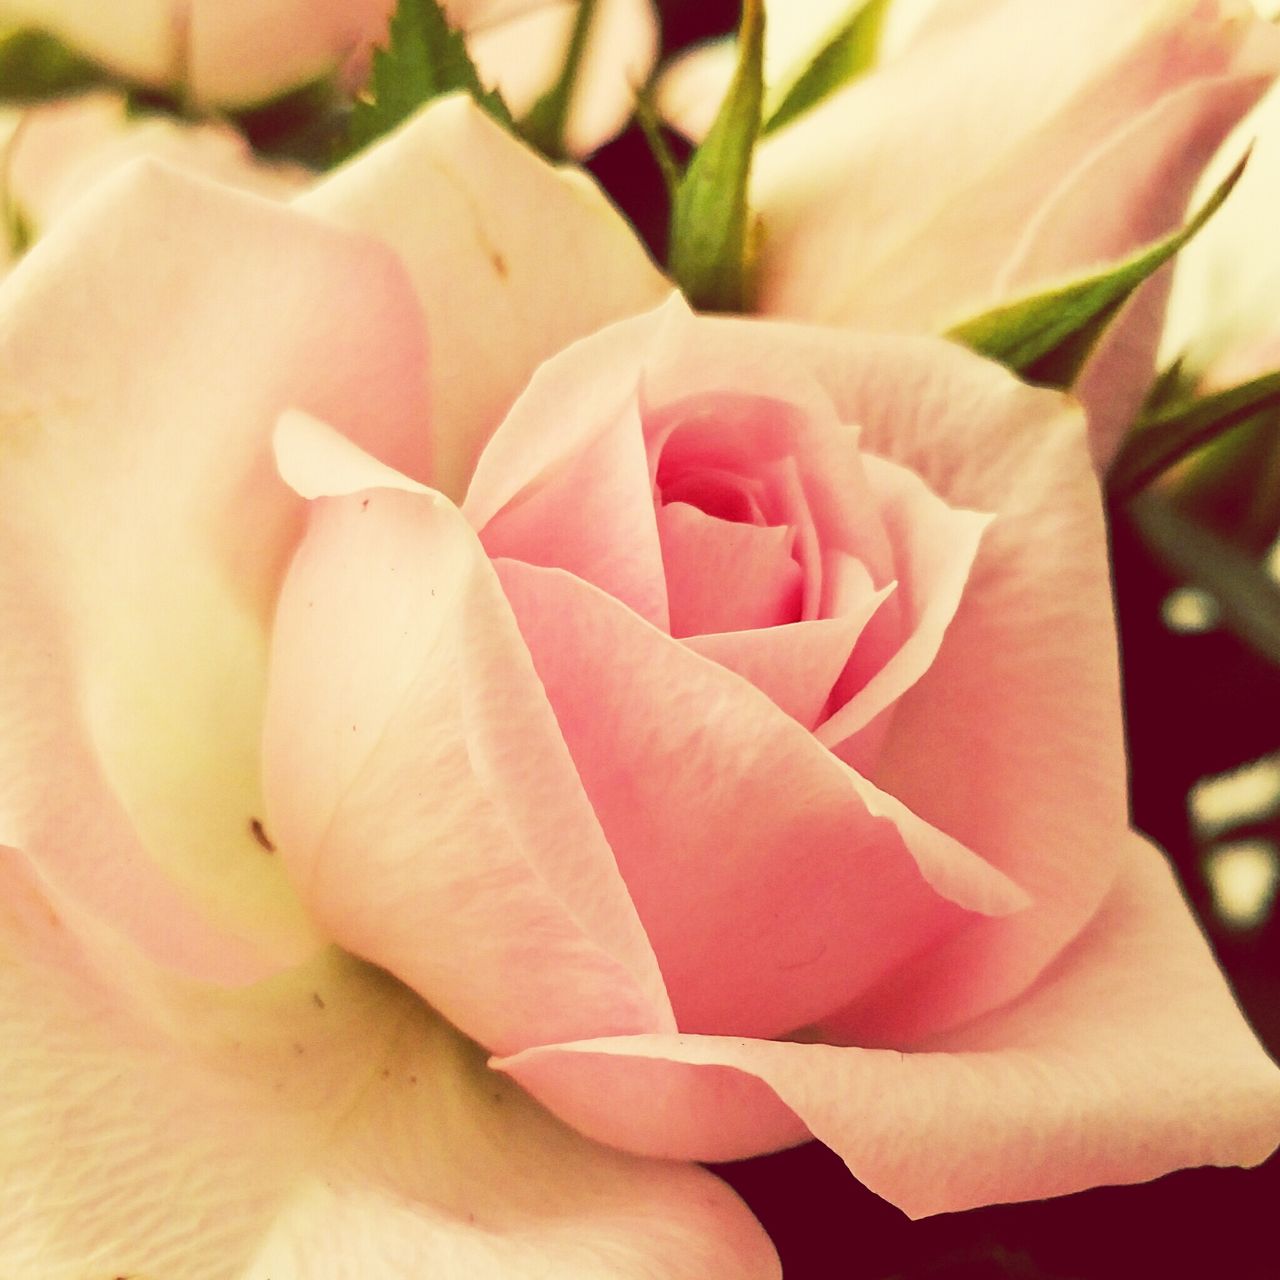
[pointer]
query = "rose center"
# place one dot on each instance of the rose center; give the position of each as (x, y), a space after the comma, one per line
(729, 565)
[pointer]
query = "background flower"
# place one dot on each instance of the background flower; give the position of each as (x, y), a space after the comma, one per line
(240, 53)
(1002, 148)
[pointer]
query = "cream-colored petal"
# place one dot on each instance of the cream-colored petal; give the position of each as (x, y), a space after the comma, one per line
(321, 1125)
(147, 345)
(513, 259)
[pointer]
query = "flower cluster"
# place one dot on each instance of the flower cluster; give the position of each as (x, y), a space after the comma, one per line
(481, 733)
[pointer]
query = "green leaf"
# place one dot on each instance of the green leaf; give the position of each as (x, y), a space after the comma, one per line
(1047, 337)
(851, 50)
(710, 218)
(1164, 438)
(1174, 385)
(544, 125)
(35, 66)
(425, 58)
(651, 126)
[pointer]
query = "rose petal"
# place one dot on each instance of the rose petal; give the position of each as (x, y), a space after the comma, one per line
(320, 1125)
(513, 260)
(61, 149)
(240, 52)
(143, 530)
(590, 512)
(726, 576)
(1222, 305)
(934, 546)
(523, 58)
(1128, 1059)
(768, 843)
(795, 665)
(733, 392)
(1151, 168)
(135, 37)
(905, 224)
(693, 84)
(1012, 741)
(419, 789)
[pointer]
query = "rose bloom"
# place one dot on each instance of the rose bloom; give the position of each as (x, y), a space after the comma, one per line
(740, 759)
(1221, 321)
(238, 53)
(1002, 147)
(56, 151)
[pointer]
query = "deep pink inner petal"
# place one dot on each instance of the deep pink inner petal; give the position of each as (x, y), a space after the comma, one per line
(723, 576)
(721, 493)
(592, 515)
(770, 879)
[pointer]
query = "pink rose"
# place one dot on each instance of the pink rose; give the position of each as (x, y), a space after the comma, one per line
(194, 1082)
(742, 761)
(1007, 145)
(241, 52)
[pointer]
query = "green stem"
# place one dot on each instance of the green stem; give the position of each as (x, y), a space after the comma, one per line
(545, 123)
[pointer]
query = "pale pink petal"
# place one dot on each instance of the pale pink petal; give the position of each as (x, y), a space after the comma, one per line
(482, 15)
(1012, 741)
(321, 1125)
(795, 665)
(906, 224)
(727, 576)
(747, 847)
(512, 258)
(239, 52)
(1127, 1060)
(1151, 168)
(934, 547)
(693, 84)
(60, 150)
(143, 530)
(569, 402)
(734, 393)
(454, 1171)
(523, 57)
(592, 514)
(520, 54)
(1223, 297)
(621, 50)
(566, 482)
(419, 789)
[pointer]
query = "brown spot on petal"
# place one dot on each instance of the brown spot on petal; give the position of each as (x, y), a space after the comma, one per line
(259, 833)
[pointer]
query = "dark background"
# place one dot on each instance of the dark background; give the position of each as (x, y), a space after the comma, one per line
(1195, 705)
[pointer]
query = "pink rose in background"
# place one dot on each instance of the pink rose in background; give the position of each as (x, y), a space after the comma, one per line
(196, 1083)
(228, 52)
(1004, 147)
(742, 761)
(238, 53)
